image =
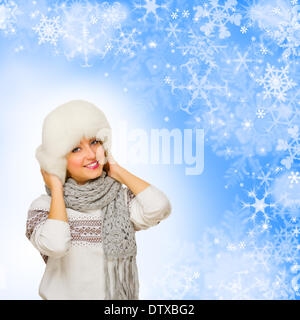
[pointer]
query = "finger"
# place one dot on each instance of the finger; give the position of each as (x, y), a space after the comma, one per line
(99, 151)
(111, 158)
(100, 156)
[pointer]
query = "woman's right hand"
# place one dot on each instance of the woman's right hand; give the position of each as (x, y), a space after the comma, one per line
(51, 180)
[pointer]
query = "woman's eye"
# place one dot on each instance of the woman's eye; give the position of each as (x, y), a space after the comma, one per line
(75, 149)
(97, 141)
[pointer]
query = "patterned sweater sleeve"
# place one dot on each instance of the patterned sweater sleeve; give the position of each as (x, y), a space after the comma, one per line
(51, 237)
(148, 207)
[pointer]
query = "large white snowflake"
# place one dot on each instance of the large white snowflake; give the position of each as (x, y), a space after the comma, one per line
(48, 30)
(126, 43)
(218, 15)
(89, 28)
(276, 82)
(197, 85)
(286, 246)
(201, 47)
(260, 205)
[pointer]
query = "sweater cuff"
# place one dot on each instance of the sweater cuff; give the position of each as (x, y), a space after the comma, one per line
(154, 202)
(54, 237)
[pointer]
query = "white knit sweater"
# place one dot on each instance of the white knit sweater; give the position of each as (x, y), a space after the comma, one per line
(73, 250)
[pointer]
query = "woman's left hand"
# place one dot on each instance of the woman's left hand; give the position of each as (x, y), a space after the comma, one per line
(115, 171)
(111, 166)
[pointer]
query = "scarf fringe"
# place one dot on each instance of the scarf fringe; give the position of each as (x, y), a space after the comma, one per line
(121, 276)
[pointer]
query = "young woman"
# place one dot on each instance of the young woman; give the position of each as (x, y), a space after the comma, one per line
(84, 227)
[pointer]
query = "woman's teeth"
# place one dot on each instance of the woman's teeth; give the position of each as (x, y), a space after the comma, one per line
(92, 164)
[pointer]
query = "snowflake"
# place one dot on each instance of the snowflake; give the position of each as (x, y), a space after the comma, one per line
(167, 80)
(276, 82)
(126, 42)
(185, 13)
(174, 15)
(265, 178)
(263, 49)
(292, 145)
(111, 16)
(285, 246)
(280, 24)
(176, 282)
(93, 19)
(280, 287)
(259, 205)
(180, 273)
(197, 86)
(89, 28)
(295, 280)
(201, 47)
(260, 113)
(294, 177)
(8, 12)
(261, 255)
(242, 61)
(243, 29)
(218, 16)
(296, 231)
(286, 191)
(48, 30)
(172, 30)
(237, 121)
(276, 10)
(232, 277)
(151, 7)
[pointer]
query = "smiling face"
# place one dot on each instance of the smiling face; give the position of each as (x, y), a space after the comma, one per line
(80, 158)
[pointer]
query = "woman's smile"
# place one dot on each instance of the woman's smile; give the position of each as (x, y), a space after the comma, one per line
(94, 165)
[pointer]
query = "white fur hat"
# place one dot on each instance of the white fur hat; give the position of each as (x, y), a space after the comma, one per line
(64, 128)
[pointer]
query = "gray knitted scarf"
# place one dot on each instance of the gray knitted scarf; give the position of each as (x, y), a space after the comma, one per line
(118, 235)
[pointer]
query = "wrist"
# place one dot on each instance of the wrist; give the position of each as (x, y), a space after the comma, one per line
(56, 189)
(118, 173)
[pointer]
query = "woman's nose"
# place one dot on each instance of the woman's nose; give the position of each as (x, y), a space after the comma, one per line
(90, 152)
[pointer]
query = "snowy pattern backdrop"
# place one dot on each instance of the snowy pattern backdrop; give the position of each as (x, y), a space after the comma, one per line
(228, 67)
